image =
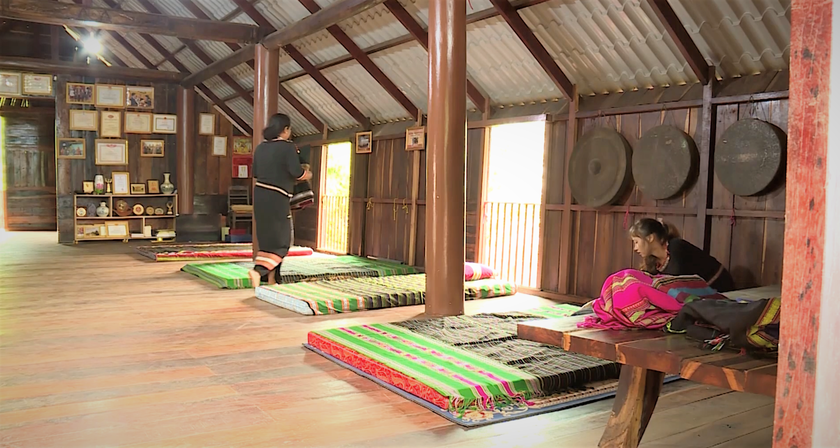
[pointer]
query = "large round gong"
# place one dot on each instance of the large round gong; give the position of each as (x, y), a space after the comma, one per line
(664, 162)
(749, 156)
(599, 167)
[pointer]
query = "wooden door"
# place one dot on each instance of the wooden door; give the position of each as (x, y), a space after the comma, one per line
(28, 143)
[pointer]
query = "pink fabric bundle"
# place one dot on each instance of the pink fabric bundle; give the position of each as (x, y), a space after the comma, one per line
(630, 299)
(477, 271)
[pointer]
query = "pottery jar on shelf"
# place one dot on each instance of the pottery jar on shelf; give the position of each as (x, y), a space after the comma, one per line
(102, 211)
(166, 187)
(99, 184)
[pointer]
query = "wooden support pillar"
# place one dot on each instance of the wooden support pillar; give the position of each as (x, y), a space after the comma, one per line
(446, 179)
(266, 72)
(185, 149)
(807, 393)
(565, 280)
(415, 194)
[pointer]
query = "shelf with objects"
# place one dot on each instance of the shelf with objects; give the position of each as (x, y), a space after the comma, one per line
(114, 217)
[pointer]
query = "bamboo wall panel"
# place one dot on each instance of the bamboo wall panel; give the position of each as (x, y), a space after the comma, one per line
(29, 165)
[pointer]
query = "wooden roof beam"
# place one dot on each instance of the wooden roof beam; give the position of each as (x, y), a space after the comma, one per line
(328, 16)
(529, 39)
(421, 35)
(99, 71)
(58, 13)
(365, 61)
(294, 102)
(682, 39)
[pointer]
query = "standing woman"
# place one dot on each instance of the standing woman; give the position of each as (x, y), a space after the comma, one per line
(276, 170)
(664, 252)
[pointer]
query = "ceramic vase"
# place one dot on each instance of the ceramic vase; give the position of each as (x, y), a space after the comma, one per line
(166, 187)
(99, 184)
(103, 210)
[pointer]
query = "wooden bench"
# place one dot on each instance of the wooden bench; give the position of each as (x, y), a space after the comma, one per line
(647, 356)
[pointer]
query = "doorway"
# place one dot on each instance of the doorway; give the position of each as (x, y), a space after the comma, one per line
(334, 200)
(27, 172)
(510, 227)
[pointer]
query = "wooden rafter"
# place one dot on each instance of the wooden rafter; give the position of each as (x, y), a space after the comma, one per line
(310, 69)
(97, 70)
(294, 102)
(58, 13)
(421, 35)
(180, 67)
(330, 15)
(688, 49)
(529, 39)
(364, 60)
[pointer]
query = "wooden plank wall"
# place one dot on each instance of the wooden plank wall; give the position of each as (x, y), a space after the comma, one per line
(380, 207)
(746, 233)
(212, 174)
(29, 164)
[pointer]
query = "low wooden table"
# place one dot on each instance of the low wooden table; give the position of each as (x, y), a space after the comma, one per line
(647, 356)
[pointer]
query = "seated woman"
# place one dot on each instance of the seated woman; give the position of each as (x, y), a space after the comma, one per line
(664, 252)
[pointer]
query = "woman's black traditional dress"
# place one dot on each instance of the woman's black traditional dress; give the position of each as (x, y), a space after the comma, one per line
(276, 170)
(685, 258)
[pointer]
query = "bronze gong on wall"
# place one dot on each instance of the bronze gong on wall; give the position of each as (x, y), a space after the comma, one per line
(599, 167)
(750, 156)
(664, 162)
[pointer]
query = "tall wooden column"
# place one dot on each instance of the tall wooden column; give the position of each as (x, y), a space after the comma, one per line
(807, 392)
(185, 148)
(266, 76)
(446, 179)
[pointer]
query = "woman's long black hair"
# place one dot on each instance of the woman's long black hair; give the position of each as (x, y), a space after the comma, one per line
(662, 232)
(276, 125)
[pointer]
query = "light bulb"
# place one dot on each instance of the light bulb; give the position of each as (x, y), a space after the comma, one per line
(92, 45)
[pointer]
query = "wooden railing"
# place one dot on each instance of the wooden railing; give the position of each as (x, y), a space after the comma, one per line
(510, 241)
(333, 220)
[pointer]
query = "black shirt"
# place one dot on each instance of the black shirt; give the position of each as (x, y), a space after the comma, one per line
(277, 163)
(688, 259)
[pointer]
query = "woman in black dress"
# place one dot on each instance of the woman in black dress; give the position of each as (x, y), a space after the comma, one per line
(664, 252)
(276, 170)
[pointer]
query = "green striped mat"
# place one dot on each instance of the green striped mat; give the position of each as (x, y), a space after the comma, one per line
(467, 379)
(357, 294)
(298, 269)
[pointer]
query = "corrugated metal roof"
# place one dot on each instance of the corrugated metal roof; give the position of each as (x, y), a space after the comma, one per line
(365, 93)
(299, 124)
(220, 88)
(602, 46)
(320, 102)
(243, 109)
(739, 37)
(503, 67)
(407, 66)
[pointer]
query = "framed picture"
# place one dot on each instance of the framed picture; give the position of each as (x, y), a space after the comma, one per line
(163, 124)
(219, 146)
(140, 97)
(121, 182)
(110, 124)
(36, 84)
(78, 93)
(87, 187)
(10, 83)
(138, 123)
(84, 120)
(71, 148)
(206, 124)
(153, 186)
(112, 152)
(364, 142)
(415, 138)
(138, 188)
(109, 96)
(117, 229)
(151, 148)
(242, 146)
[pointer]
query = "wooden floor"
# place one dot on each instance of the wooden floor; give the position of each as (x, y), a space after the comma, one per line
(99, 347)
